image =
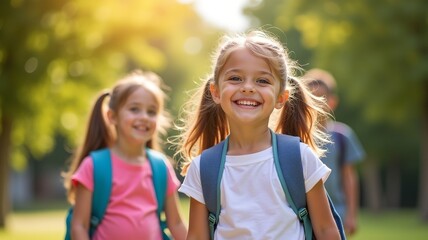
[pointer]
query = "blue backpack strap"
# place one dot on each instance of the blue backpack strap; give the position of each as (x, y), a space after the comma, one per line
(103, 176)
(211, 170)
(339, 140)
(288, 160)
(160, 180)
(337, 218)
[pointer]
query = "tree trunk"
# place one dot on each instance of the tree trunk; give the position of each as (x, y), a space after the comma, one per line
(372, 185)
(5, 146)
(423, 182)
(393, 185)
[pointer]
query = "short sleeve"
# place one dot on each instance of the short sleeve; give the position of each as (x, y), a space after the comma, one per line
(84, 174)
(192, 186)
(354, 150)
(314, 169)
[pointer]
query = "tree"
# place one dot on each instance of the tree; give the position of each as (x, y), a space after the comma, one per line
(378, 52)
(56, 54)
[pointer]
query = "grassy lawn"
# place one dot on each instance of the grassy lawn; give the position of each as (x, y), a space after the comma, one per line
(392, 225)
(45, 224)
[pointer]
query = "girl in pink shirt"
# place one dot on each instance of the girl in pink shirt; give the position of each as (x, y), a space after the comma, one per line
(131, 123)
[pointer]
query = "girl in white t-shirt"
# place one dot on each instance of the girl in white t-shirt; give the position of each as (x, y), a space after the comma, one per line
(252, 75)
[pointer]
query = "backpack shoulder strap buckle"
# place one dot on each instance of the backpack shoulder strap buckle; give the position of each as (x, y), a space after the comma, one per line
(303, 213)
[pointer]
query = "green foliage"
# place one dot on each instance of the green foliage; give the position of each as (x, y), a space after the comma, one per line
(378, 52)
(56, 56)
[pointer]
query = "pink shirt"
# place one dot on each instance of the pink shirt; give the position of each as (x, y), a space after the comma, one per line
(131, 212)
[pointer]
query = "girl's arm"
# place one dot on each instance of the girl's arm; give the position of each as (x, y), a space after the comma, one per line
(81, 213)
(322, 219)
(198, 221)
(173, 218)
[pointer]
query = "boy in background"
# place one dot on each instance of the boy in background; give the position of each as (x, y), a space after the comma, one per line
(342, 154)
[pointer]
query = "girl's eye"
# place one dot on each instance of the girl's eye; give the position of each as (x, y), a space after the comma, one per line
(235, 78)
(134, 109)
(263, 81)
(152, 112)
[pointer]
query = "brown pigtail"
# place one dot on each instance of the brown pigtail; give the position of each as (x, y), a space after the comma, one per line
(207, 125)
(300, 116)
(97, 136)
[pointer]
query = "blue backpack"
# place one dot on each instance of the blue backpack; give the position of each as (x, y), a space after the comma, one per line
(102, 188)
(290, 172)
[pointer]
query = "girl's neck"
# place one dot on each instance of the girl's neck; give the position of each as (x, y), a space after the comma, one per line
(246, 141)
(128, 153)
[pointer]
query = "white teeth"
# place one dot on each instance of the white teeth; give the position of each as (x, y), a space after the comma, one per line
(142, 128)
(247, 103)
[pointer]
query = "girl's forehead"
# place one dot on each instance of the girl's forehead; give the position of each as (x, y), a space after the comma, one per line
(142, 95)
(245, 58)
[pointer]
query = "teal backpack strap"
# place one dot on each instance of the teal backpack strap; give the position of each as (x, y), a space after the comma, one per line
(160, 179)
(211, 170)
(287, 158)
(101, 193)
(102, 185)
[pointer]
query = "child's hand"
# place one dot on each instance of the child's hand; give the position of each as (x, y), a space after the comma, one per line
(350, 225)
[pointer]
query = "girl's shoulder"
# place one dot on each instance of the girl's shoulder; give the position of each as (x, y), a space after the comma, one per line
(87, 161)
(307, 154)
(339, 127)
(194, 166)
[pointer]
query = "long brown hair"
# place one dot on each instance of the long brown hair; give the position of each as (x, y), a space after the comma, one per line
(204, 124)
(100, 134)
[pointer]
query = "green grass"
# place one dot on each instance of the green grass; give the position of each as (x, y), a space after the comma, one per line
(44, 224)
(391, 225)
(35, 225)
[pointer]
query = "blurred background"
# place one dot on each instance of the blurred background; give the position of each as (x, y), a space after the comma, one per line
(56, 55)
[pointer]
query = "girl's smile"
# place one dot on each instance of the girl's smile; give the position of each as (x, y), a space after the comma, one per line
(138, 116)
(248, 103)
(247, 89)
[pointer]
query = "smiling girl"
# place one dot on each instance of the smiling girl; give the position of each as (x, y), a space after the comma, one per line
(129, 129)
(252, 75)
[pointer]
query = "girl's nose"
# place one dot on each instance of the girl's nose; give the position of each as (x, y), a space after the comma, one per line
(248, 88)
(144, 115)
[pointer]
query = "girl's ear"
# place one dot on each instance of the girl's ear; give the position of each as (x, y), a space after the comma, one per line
(111, 117)
(282, 98)
(215, 93)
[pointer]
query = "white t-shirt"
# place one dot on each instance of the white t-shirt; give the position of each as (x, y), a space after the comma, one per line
(253, 203)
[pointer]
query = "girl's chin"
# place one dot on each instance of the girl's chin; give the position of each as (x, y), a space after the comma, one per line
(142, 138)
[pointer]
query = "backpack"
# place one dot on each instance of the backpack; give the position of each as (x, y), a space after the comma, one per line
(340, 141)
(290, 172)
(102, 188)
